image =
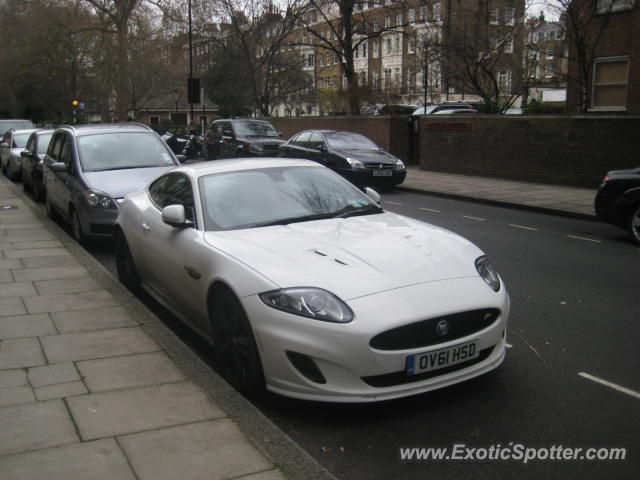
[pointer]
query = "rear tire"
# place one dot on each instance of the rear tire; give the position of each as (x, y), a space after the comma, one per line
(127, 272)
(633, 223)
(235, 347)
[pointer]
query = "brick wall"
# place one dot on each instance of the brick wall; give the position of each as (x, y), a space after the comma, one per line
(390, 133)
(547, 149)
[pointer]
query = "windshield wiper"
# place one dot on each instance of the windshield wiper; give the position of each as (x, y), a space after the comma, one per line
(350, 211)
(126, 168)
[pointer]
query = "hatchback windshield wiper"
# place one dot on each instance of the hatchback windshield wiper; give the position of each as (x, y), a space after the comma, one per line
(127, 168)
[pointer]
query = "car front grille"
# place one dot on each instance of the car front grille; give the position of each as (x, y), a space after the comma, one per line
(426, 333)
(380, 166)
(401, 378)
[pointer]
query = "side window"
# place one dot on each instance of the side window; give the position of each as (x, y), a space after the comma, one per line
(6, 138)
(31, 144)
(174, 189)
(316, 141)
(226, 129)
(66, 154)
(54, 147)
(302, 139)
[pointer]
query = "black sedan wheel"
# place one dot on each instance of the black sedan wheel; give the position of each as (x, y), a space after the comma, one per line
(634, 223)
(234, 345)
(127, 273)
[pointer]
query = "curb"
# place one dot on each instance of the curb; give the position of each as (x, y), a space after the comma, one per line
(500, 203)
(281, 449)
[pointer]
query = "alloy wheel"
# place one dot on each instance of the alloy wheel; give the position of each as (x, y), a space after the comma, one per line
(634, 223)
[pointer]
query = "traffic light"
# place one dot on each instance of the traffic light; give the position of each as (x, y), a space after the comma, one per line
(75, 103)
(193, 87)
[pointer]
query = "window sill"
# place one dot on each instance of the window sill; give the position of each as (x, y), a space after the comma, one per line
(608, 109)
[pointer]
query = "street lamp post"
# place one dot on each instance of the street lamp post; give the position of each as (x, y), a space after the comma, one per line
(190, 59)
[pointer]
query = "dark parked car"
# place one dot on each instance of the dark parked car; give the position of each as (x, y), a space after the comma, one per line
(14, 124)
(89, 169)
(618, 200)
(233, 138)
(352, 155)
(32, 159)
(13, 142)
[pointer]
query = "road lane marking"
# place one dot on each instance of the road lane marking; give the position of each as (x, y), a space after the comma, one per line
(584, 238)
(523, 227)
(474, 218)
(430, 210)
(393, 203)
(606, 383)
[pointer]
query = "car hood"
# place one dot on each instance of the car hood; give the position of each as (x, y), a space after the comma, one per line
(351, 257)
(262, 140)
(629, 171)
(369, 156)
(119, 183)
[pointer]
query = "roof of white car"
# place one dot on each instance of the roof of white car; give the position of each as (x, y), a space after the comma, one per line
(200, 169)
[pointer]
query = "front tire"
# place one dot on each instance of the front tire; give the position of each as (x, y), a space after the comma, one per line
(127, 272)
(633, 223)
(234, 344)
(76, 228)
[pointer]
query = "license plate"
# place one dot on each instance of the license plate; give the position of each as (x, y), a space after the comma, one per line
(382, 173)
(426, 362)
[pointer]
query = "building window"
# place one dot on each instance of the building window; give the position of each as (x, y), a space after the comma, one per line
(494, 13)
(375, 49)
(610, 77)
(411, 15)
(375, 25)
(504, 82)
(510, 16)
(364, 50)
(376, 80)
(437, 11)
(550, 54)
(399, 19)
(424, 13)
(387, 22)
(310, 60)
(608, 6)
(387, 78)
(412, 44)
(397, 44)
(387, 46)
(508, 45)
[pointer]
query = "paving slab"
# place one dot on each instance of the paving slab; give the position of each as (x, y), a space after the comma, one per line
(5, 276)
(71, 301)
(11, 306)
(94, 319)
(133, 410)
(42, 262)
(200, 451)
(35, 425)
(37, 252)
(20, 353)
(18, 289)
(53, 374)
(13, 378)
(16, 396)
(269, 475)
(28, 236)
(99, 460)
(64, 286)
(38, 244)
(22, 326)
(48, 273)
(97, 344)
(61, 390)
(129, 371)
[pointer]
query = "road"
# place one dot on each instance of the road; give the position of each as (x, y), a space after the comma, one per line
(574, 324)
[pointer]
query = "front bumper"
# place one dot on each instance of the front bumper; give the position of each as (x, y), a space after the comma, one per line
(98, 222)
(352, 370)
(366, 177)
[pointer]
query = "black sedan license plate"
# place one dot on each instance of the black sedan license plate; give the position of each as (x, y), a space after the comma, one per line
(426, 362)
(382, 173)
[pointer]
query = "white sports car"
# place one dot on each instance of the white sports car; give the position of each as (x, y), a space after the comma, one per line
(303, 284)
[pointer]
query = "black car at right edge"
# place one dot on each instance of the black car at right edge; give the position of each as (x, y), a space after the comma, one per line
(618, 200)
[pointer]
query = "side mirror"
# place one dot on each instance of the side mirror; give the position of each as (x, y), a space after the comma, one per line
(175, 216)
(372, 194)
(280, 134)
(322, 147)
(25, 153)
(57, 167)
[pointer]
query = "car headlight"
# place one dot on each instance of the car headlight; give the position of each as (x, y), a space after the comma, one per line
(488, 273)
(354, 163)
(309, 302)
(399, 165)
(99, 200)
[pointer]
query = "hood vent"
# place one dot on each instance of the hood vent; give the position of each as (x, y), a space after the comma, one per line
(322, 254)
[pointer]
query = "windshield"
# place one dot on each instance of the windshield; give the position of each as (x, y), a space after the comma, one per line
(349, 141)
(15, 124)
(278, 196)
(251, 128)
(20, 140)
(43, 142)
(118, 151)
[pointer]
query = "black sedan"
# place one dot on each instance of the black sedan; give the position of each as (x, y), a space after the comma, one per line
(618, 200)
(352, 155)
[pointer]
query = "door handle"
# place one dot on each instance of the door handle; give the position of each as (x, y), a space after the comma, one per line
(193, 273)
(145, 228)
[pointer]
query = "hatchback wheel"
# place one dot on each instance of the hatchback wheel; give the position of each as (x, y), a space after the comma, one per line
(634, 223)
(234, 344)
(76, 227)
(127, 272)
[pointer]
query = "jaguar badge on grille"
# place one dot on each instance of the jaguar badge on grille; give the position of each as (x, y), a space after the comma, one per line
(442, 328)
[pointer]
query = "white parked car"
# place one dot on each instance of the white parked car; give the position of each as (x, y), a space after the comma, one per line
(305, 285)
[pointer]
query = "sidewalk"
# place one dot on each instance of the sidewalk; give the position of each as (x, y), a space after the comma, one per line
(552, 198)
(93, 386)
